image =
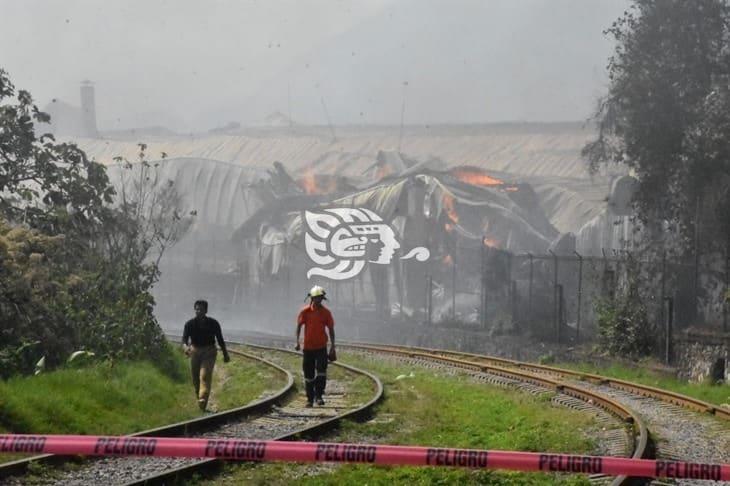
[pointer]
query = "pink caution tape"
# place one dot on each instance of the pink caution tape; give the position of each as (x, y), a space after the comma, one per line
(255, 450)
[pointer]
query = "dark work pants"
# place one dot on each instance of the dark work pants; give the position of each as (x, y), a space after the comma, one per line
(314, 366)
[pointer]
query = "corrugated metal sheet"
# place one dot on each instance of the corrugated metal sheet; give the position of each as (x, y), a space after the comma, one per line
(544, 155)
(218, 191)
(527, 149)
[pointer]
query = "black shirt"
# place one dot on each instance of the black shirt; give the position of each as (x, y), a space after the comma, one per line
(203, 332)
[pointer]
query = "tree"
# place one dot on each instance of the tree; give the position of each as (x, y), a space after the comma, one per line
(148, 218)
(44, 184)
(76, 263)
(665, 115)
(623, 323)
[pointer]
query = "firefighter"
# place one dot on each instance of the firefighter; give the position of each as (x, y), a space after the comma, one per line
(317, 321)
(198, 340)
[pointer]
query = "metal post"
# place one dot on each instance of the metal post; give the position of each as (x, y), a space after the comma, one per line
(509, 273)
(555, 292)
(486, 307)
(561, 310)
(663, 295)
(697, 262)
(580, 294)
(617, 273)
(529, 291)
(605, 268)
(483, 288)
(668, 331)
(513, 305)
(727, 286)
(453, 286)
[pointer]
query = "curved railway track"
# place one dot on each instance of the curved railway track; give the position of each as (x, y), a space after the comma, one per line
(622, 432)
(682, 428)
(276, 417)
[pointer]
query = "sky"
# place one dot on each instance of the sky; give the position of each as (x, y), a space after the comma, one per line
(193, 65)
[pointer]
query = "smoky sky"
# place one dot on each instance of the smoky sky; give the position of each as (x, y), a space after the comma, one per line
(194, 65)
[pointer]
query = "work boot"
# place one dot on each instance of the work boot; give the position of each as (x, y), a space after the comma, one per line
(320, 401)
(202, 403)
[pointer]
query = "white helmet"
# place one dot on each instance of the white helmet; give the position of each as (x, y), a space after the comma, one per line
(317, 291)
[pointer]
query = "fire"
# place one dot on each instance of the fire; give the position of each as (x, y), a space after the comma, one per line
(317, 184)
(490, 242)
(308, 183)
(475, 176)
(383, 171)
(450, 207)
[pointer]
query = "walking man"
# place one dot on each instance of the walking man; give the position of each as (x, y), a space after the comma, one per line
(198, 341)
(316, 318)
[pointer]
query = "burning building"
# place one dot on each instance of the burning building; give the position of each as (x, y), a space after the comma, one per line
(444, 211)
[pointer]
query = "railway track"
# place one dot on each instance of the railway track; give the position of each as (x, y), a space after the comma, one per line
(682, 428)
(282, 415)
(620, 431)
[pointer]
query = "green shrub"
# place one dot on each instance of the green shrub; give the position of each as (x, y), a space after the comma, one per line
(624, 326)
(76, 264)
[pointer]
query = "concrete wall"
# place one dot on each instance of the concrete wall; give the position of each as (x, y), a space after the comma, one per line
(700, 357)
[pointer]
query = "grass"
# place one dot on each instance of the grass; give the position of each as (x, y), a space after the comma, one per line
(122, 398)
(360, 388)
(712, 393)
(240, 384)
(437, 410)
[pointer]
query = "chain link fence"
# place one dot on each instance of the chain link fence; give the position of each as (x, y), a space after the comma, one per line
(554, 296)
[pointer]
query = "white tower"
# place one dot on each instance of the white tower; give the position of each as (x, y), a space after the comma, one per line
(88, 110)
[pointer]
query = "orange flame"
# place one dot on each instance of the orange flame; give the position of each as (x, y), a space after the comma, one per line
(475, 176)
(491, 242)
(317, 183)
(383, 171)
(308, 183)
(450, 207)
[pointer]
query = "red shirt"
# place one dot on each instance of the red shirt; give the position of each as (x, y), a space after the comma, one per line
(314, 320)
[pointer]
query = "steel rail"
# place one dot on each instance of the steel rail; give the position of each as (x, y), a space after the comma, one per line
(637, 388)
(210, 466)
(184, 428)
(628, 416)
